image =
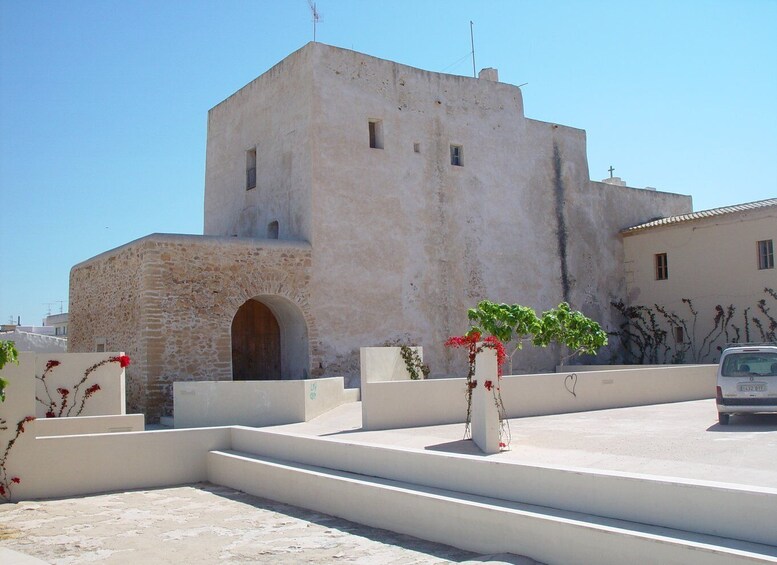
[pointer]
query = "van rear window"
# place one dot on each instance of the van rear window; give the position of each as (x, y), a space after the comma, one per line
(750, 363)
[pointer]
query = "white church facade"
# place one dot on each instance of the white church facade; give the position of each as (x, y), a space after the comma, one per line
(352, 201)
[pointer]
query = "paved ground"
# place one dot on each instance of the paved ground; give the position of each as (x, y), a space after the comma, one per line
(204, 524)
(681, 440)
(208, 524)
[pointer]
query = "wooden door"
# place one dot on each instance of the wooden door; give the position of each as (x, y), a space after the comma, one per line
(256, 343)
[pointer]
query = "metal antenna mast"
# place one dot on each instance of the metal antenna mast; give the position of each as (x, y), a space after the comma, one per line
(316, 17)
(472, 41)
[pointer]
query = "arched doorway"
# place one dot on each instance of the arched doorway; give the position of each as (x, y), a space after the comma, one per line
(269, 340)
(256, 343)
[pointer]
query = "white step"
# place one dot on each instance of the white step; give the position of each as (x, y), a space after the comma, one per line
(475, 523)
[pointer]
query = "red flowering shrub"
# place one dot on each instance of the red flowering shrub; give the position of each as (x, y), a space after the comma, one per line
(122, 360)
(470, 342)
(56, 406)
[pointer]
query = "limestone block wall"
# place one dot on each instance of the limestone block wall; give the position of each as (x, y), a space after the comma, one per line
(105, 309)
(184, 292)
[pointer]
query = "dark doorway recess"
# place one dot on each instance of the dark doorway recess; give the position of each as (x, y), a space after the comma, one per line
(256, 343)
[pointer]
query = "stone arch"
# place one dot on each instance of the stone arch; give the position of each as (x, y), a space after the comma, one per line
(280, 329)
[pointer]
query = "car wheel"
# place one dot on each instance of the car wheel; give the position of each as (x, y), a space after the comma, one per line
(723, 419)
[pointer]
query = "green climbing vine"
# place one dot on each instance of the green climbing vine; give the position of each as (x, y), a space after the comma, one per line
(415, 366)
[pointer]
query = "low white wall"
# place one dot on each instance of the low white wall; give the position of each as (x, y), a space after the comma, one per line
(693, 506)
(578, 368)
(405, 404)
(83, 464)
(109, 400)
(47, 427)
(385, 364)
(254, 403)
(44, 469)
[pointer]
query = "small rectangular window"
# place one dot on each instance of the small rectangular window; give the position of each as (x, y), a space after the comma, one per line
(416, 148)
(662, 267)
(679, 334)
(766, 254)
(99, 344)
(250, 169)
(457, 155)
(376, 133)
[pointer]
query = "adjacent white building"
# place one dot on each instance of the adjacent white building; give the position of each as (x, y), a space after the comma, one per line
(717, 263)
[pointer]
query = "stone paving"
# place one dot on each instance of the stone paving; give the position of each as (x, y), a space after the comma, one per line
(204, 523)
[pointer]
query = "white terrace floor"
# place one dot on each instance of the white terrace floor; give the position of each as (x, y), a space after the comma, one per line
(208, 524)
(681, 439)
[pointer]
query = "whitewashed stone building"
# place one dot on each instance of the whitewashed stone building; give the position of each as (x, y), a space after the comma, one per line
(351, 201)
(698, 281)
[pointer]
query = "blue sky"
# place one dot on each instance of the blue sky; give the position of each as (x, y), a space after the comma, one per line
(103, 104)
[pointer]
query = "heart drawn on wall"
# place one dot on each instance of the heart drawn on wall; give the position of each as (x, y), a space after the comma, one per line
(570, 382)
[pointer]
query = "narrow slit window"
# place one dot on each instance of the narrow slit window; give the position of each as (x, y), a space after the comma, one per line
(376, 133)
(766, 254)
(679, 334)
(457, 155)
(416, 147)
(662, 267)
(250, 169)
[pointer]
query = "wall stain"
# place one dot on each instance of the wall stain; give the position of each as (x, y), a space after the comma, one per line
(561, 230)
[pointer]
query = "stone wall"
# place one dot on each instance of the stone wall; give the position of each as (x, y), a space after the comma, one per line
(106, 305)
(169, 301)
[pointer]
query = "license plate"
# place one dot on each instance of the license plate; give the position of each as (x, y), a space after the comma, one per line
(752, 388)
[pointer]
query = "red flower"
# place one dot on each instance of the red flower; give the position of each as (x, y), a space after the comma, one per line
(91, 390)
(122, 360)
(488, 384)
(16, 480)
(63, 391)
(502, 444)
(2, 490)
(51, 364)
(50, 414)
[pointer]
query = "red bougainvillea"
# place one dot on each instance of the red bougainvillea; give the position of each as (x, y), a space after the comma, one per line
(66, 402)
(122, 360)
(470, 342)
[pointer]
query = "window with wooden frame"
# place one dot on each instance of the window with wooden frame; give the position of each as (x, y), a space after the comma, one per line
(662, 267)
(766, 254)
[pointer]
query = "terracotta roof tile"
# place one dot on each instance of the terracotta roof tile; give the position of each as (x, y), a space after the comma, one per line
(703, 214)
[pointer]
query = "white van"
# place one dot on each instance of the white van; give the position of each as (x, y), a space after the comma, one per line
(747, 381)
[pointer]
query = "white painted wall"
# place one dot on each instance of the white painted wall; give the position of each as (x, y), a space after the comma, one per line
(404, 242)
(109, 400)
(406, 404)
(712, 261)
(255, 403)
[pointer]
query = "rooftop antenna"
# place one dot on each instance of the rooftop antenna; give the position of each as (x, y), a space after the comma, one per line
(316, 17)
(472, 41)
